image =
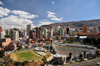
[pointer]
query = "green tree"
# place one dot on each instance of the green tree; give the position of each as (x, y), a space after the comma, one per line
(19, 48)
(80, 57)
(94, 41)
(44, 60)
(2, 53)
(78, 36)
(25, 62)
(98, 40)
(33, 61)
(65, 41)
(84, 54)
(72, 40)
(87, 40)
(18, 64)
(6, 36)
(70, 55)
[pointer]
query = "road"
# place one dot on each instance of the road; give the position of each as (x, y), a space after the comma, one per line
(86, 62)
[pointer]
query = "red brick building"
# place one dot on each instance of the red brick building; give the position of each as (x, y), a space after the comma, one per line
(5, 42)
(32, 35)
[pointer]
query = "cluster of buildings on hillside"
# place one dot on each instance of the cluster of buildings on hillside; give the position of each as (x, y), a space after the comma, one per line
(11, 39)
(88, 31)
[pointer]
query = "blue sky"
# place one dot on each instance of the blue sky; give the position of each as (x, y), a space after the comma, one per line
(19, 13)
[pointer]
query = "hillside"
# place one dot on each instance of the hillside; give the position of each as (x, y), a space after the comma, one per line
(95, 22)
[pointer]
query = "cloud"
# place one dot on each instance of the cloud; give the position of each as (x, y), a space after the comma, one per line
(19, 12)
(4, 11)
(57, 19)
(13, 21)
(50, 14)
(53, 2)
(44, 22)
(53, 17)
(23, 14)
(1, 3)
(28, 16)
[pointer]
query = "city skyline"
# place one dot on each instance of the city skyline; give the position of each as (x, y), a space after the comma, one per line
(18, 13)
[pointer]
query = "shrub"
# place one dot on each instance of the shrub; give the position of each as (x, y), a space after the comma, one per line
(25, 62)
(18, 63)
(65, 42)
(70, 54)
(44, 59)
(33, 61)
(98, 46)
(19, 48)
(2, 53)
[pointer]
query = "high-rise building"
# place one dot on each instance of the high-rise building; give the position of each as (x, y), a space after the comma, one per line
(24, 33)
(11, 33)
(32, 35)
(67, 29)
(55, 29)
(99, 29)
(16, 35)
(64, 29)
(84, 29)
(8, 32)
(29, 27)
(61, 32)
(21, 33)
(50, 33)
(4, 33)
(38, 33)
(45, 32)
(71, 31)
(1, 35)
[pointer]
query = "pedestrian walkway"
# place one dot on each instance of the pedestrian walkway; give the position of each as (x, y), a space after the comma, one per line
(86, 62)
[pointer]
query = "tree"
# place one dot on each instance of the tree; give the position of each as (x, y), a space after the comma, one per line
(68, 58)
(19, 48)
(87, 40)
(80, 57)
(44, 60)
(68, 39)
(65, 41)
(2, 53)
(98, 46)
(94, 41)
(84, 54)
(18, 64)
(70, 55)
(98, 40)
(25, 62)
(6, 36)
(78, 36)
(33, 61)
(72, 40)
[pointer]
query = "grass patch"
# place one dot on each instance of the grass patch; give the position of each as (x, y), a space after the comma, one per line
(26, 56)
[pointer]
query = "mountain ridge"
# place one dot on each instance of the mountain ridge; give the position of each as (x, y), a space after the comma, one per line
(94, 22)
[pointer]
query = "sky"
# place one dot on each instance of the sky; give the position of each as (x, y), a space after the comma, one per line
(19, 13)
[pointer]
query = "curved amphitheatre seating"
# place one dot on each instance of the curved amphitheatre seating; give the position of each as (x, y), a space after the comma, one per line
(91, 48)
(82, 46)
